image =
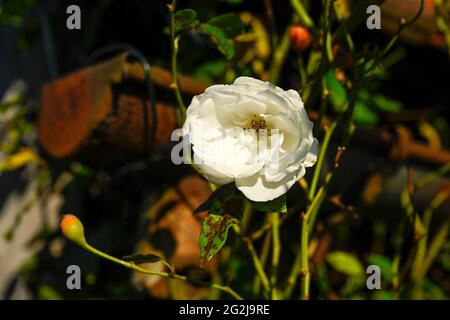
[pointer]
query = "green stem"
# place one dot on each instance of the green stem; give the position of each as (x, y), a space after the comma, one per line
(181, 114)
(131, 265)
(418, 270)
(396, 275)
(327, 33)
(293, 275)
(276, 248)
(428, 178)
(258, 266)
(435, 247)
(263, 259)
(343, 24)
(402, 26)
(300, 10)
(246, 217)
(305, 275)
(320, 160)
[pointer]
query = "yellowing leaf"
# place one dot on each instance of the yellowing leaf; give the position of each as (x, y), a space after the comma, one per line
(431, 134)
(253, 45)
(19, 159)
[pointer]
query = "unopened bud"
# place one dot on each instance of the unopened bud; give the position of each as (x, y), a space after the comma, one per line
(72, 228)
(300, 37)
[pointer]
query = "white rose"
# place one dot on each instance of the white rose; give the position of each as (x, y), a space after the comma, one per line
(251, 109)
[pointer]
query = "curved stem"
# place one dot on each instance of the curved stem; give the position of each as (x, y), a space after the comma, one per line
(403, 25)
(131, 265)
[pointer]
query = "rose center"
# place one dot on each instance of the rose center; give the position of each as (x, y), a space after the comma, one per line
(257, 123)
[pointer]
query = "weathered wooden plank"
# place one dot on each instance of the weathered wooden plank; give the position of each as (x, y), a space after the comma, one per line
(76, 107)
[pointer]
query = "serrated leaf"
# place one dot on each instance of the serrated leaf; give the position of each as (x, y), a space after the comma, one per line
(224, 44)
(214, 234)
(345, 263)
(138, 258)
(224, 200)
(230, 23)
(275, 205)
(337, 93)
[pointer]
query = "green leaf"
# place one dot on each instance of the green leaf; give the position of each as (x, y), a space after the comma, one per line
(211, 70)
(363, 114)
(224, 44)
(138, 258)
(385, 265)
(345, 263)
(230, 23)
(382, 295)
(432, 291)
(226, 199)
(373, 68)
(337, 93)
(233, 2)
(46, 292)
(214, 234)
(184, 19)
(275, 205)
(385, 104)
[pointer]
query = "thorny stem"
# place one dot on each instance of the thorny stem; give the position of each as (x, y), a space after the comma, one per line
(316, 199)
(181, 114)
(304, 263)
(326, 57)
(308, 219)
(171, 275)
(320, 160)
